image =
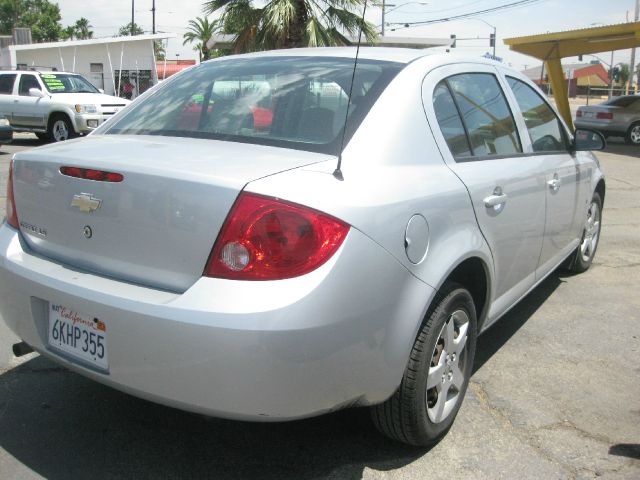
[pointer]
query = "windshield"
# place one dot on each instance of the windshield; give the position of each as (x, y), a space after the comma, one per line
(621, 101)
(66, 83)
(294, 102)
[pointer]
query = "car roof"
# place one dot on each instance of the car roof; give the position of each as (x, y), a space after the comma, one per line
(38, 71)
(390, 54)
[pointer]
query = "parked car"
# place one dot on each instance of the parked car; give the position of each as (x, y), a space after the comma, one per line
(617, 117)
(289, 270)
(54, 105)
(6, 132)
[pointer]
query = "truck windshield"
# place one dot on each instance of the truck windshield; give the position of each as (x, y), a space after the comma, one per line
(66, 83)
(291, 102)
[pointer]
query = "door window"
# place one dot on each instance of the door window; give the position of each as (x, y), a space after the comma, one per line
(28, 81)
(6, 83)
(485, 113)
(543, 125)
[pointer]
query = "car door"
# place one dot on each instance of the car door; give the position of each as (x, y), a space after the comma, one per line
(7, 81)
(566, 175)
(480, 141)
(28, 111)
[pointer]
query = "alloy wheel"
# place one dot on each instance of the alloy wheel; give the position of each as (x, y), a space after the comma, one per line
(60, 131)
(446, 376)
(591, 232)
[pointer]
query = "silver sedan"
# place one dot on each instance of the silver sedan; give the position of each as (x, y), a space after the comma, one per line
(277, 235)
(617, 117)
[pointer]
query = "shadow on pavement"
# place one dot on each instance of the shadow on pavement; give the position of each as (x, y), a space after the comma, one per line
(61, 425)
(499, 333)
(617, 146)
(630, 450)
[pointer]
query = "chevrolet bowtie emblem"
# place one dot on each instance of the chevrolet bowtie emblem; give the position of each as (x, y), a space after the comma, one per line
(86, 202)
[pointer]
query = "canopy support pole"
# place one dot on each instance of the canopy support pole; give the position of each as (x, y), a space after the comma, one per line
(556, 77)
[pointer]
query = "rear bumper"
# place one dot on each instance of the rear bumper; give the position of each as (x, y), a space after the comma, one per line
(338, 336)
(604, 126)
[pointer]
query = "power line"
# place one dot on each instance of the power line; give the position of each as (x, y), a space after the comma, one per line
(519, 3)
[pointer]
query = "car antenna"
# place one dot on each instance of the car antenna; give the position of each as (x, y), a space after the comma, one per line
(338, 172)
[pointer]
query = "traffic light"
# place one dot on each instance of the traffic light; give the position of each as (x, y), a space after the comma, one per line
(453, 41)
(616, 74)
(492, 40)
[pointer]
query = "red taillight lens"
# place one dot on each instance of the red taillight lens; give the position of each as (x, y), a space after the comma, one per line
(268, 239)
(579, 113)
(604, 115)
(12, 215)
(90, 174)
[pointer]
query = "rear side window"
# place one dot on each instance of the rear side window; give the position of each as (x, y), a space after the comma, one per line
(474, 105)
(6, 83)
(450, 122)
(542, 123)
(28, 81)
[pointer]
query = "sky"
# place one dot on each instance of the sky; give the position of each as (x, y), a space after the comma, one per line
(541, 16)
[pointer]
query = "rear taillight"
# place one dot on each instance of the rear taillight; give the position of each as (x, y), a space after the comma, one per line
(604, 116)
(579, 113)
(268, 239)
(12, 215)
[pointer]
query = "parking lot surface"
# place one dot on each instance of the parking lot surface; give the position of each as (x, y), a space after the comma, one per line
(555, 394)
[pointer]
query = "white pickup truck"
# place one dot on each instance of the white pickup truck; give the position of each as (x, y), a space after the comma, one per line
(54, 105)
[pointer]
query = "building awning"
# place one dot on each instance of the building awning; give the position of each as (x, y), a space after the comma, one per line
(552, 47)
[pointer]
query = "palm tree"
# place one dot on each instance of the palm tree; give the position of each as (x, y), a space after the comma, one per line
(68, 33)
(82, 29)
(292, 23)
(200, 31)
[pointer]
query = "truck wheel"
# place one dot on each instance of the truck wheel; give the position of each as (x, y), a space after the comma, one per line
(60, 129)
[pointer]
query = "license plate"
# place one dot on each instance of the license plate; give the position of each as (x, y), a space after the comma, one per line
(589, 114)
(82, 336)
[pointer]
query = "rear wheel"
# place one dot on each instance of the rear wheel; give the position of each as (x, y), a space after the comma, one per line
(43, 136)
(423, 408)
(633, 134)
(586, 251)
(60, 129)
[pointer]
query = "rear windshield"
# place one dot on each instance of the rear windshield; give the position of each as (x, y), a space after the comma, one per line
(293, 102)
(621, 101)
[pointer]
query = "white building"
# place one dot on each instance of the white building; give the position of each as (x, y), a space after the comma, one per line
(119, 65)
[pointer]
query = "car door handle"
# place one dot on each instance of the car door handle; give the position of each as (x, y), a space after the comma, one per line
(494, 200)
(554, 184)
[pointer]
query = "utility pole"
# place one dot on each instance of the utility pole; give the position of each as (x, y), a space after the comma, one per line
(611, 76)
(632, 67)
(383, 8)
(133, 6)
(153, 16)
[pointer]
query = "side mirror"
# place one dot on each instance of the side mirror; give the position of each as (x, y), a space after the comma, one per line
(588, 140)
(36, 92)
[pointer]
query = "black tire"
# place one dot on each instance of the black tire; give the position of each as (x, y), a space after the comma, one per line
(581, 259)
(44, 137)
(407, 415)
(632, 137)
(60, 128)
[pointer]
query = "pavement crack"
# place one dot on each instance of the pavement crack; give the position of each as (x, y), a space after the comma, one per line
(485, 403)
(567, 425)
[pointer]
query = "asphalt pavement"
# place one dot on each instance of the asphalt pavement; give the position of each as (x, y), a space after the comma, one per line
(555, 394)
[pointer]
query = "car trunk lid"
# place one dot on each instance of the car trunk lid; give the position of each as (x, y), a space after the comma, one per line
(155, 227)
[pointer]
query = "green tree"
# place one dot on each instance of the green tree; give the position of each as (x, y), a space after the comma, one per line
(41, 16)
(82, 29)
(159, 50)
(200, 31)
(292, 23)
(68, 33)
(125, 30)
(624, 73)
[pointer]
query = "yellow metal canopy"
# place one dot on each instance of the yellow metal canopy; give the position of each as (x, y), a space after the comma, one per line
(552, 47)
